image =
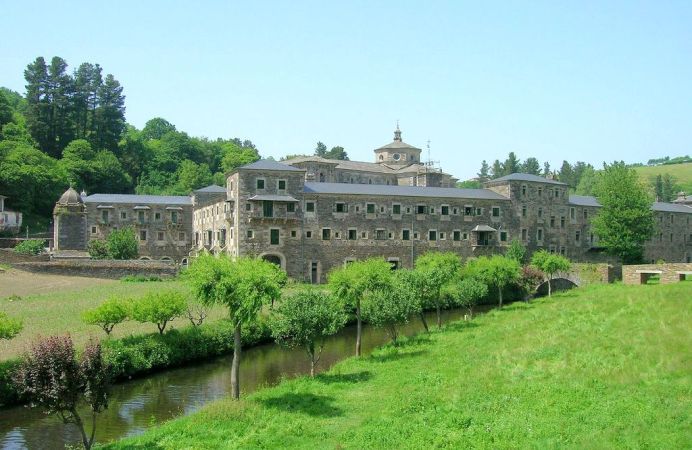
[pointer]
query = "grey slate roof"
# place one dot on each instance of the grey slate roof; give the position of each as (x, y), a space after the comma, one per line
(583, 200)
(214, 189)
(273, 198)
(400, 191)
(268, 164)
(671, 207)
(139, 199)
(397, 145)
(360, 166)
(526, 177)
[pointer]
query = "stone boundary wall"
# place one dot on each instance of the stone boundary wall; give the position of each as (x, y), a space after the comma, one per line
(101, 268)
(9, 256)
(587, 273)
(12, 242)
(638, 274)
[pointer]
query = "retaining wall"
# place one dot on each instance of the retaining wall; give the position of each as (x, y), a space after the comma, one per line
(101, 268)
(9, 256)
(669, 273)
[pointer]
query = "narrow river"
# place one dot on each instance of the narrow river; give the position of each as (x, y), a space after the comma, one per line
(139, 404)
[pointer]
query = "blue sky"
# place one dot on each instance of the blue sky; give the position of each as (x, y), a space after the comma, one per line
(589, 81)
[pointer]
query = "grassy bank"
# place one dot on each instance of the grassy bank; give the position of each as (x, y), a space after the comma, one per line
(681, 172)
(605, 366)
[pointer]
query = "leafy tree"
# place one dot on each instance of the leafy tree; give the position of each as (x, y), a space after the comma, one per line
(497, 170)
(587, 181)
(391, 307)
(546, 169)
(566, 174)
(516, 251)
(550, 264)
(235, 156)
(438, 269)
(352, 282)
(243, 286)
(108, 314)
(156, 128)
(305, 319)
(159, 308)
(469, 184)
(512, 164)
(498, 271)
(52, 378)
(625, 220)
(337, 153)
(9, 327)
(483, 174)
(532, 166)
(122, 244)
(321, 150)
(421, 287)
(669, 190)
(192, 176)
(5, 110)
(466, 292)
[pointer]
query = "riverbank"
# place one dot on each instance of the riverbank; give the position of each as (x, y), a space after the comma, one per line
(603, 365)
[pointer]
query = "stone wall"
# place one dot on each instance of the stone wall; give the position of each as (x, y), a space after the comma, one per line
(669, 273)
(101, 268)
(9, 256)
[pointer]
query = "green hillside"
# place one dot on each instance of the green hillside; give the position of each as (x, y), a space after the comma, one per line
(597, 367)
(682, 173)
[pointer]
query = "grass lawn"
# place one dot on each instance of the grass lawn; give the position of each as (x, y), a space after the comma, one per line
(598, 367)
(681, 172)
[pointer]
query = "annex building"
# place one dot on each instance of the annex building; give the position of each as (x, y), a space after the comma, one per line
(311, 214)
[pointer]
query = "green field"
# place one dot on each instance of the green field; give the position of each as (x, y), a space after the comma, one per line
(598, 367)
(681, 172)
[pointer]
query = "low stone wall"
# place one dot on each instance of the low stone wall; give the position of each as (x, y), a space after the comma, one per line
(586, 273)
(9, 256)
(12, 242)
(669, 273)
(101, 268)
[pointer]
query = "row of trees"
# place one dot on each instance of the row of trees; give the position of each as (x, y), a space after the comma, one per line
(336, 152)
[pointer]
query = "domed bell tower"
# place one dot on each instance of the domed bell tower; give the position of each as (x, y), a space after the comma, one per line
(397, 152)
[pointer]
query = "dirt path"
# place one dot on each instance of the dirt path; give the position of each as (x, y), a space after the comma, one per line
(18, 282)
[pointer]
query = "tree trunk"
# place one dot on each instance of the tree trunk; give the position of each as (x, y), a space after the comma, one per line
(311, 353)
(499, 291)
(235, 366)
(439, 316)
(78, 421)
(549, 287)
(425, 322)
(359, 327)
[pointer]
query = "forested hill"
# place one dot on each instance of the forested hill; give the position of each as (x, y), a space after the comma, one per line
(70, 128)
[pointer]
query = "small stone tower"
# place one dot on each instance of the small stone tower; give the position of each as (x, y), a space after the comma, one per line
(70, 222)
(397, 152)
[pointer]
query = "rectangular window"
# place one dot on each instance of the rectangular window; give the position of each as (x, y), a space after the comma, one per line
(405, 235)
(181, 236)
(340, 207)
(444, 210)
(557, 193)
(524, 234)
(552, 221)
(174, 216)
(479, 211)
(562, 221)
(396, 209)
(432, 235)
(159, 236)
(308, 234)
(468, 210)
(577, 236)
(104, 216)
(140, 216)
(539, 234)
(456, 235)
(310, 207)
(352, 234)
(290, 207)
(370, 208)
(455, 211)
(496, 211)
(142, 235)
(281, 185)
(326, 234)
(123, 215)
(267, 208)
(432, 210)
(260, 183)
(93, 230)
(562, 250)
(442, 236)
(540, 213)
(523, 211)
(157, 216)
(540, 192)
(586, 215)
(572, 214)
(248, 207)
(503, 236)
(380, 234)
(274, 236)
(420, 209)
(250, 234)
(363, 234)
(465, 236)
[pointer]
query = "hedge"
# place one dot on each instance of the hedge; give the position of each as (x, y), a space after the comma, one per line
(141, 354)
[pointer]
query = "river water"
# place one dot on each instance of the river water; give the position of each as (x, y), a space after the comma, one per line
(141, 403)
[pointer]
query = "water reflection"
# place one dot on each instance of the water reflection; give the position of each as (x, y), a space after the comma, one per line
(138, 404)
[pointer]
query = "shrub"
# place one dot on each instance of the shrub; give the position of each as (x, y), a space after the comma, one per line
(122, 244)
(9, 327)
(387, 308)
(159, 308)
(9, 395)
(466, 293)
(31, 247)
(529, 280)
(516, 251)
(80, 380)
(98, 249)
(140, 278)
(108, 314)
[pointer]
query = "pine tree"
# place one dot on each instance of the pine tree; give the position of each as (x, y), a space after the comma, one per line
(532, 166)
(38, 104)
(60, 89)
(87, 80)
(546, 169)
(668, 191)
(566, 174)
(110, 114)
(512, 164)
(321, 150)
(658, 188)
(497, 170)
(483, 175)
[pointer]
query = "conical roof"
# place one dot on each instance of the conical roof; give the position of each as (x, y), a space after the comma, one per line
(70, 198)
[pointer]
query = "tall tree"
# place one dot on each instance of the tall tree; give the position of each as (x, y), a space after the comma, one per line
(156, 128)
(497, 170)
(60, 89)
(512, 164)
(5, 110)
(566, 174)
(484, 173)
(439, 268)
(337, 152)
(587, 181)
(546, 169)
(38, 114)
(658, 188)
(532, 166)
(625, 221)
(668, 192)
(320, 149)
(87, 81)
(110, 114)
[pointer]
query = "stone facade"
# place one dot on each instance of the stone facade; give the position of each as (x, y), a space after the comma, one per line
(669, 273)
